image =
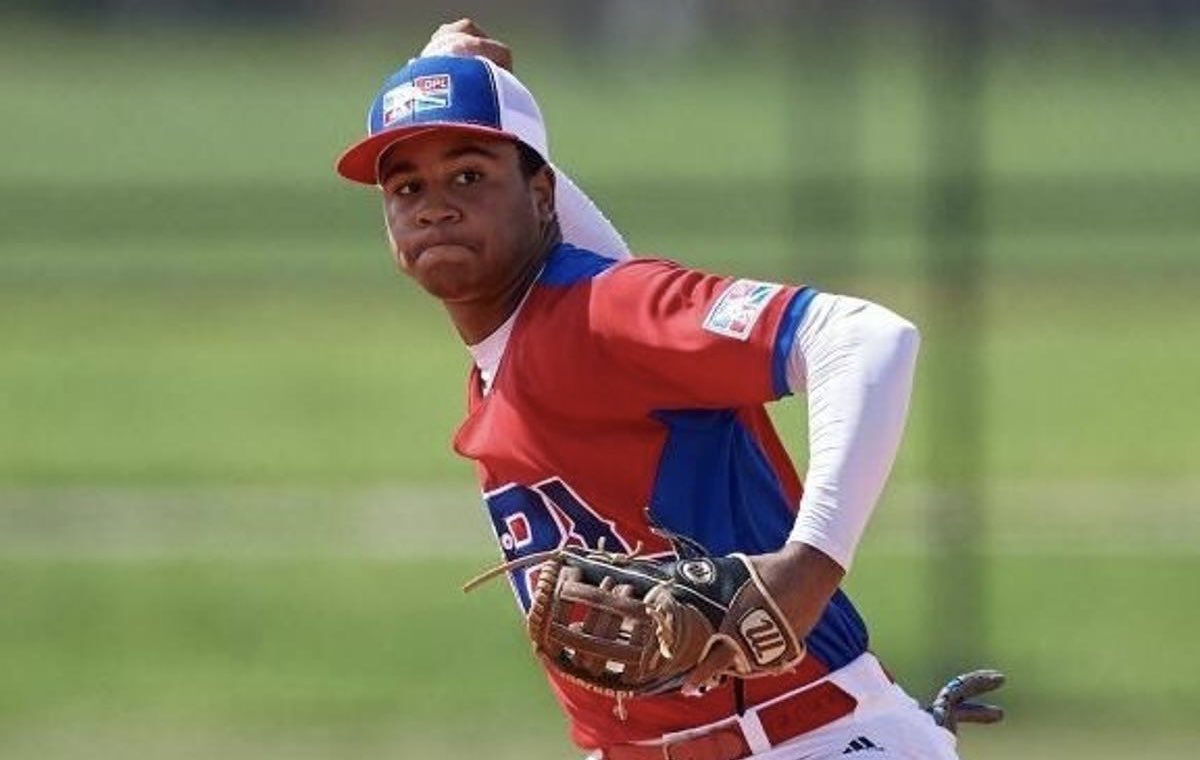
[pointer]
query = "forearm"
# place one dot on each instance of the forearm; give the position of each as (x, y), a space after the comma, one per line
(855, 361)
(801, 579)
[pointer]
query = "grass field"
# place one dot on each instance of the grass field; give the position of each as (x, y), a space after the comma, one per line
(192, 622)
(230, 522)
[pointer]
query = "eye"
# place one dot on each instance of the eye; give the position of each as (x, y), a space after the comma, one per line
(409, 187)
(467, 177)
(397, 185)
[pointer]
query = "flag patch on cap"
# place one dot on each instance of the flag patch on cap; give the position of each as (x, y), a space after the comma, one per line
(739, 307)
(425, 93)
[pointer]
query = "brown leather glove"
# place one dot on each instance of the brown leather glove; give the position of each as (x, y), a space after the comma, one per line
(626, 625)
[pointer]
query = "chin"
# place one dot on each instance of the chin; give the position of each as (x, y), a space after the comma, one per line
(448, 283)
(444, 271)
(448, 293)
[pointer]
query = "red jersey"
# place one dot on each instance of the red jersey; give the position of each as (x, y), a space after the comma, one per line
(632, 392)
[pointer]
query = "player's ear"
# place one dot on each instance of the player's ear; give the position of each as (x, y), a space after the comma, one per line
(542, 185)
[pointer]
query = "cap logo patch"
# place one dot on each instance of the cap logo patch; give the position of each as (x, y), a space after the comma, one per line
(739, 307)
(426, 93)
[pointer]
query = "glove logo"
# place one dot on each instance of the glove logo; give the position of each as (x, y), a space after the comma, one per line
(698, 571)
(760, 632)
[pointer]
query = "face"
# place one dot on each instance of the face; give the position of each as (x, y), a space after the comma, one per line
(464, 221)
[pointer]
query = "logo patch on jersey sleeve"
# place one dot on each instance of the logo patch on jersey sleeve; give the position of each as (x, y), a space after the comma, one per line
(739, 307)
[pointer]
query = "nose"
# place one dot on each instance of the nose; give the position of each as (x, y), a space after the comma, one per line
(434, 209)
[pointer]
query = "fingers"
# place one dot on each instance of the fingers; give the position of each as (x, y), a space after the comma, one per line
(466, 38)
(975, 712)
(720, 659)
(951, 707)
(463, 25)
(980, 682)
(943, 718)
(467, 46)
(970, 685)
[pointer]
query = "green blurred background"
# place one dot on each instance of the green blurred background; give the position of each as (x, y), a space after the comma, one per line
(230, 522)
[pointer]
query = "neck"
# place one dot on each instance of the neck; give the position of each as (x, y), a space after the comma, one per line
(475, 320)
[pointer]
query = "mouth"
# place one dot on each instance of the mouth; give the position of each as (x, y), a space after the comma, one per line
(437, 247)
(442, 248)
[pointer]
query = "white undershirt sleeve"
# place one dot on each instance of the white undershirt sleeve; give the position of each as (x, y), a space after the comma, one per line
(855, 361)
(582, 223)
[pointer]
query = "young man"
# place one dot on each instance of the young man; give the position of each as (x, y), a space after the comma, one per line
(611, 391)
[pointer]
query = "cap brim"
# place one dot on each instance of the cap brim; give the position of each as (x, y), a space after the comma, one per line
(360, 162)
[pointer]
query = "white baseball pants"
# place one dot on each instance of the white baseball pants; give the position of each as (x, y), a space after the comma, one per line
(887, 724)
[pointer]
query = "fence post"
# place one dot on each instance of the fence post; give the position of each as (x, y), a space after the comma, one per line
(953, 372)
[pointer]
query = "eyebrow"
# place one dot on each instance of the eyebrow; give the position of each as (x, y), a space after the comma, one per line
(402, 167)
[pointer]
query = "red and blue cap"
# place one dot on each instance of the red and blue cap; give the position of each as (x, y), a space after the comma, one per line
(444, 92)
(473, 95)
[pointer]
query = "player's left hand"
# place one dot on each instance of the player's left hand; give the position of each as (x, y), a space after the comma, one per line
(466, 38)
(628, 625)
(801, 579)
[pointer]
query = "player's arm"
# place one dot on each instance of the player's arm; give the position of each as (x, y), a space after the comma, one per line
(854, 360)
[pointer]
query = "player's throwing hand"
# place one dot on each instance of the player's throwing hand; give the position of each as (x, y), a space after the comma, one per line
(466, 38)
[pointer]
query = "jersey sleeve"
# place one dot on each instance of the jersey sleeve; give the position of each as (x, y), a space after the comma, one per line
(687, 338)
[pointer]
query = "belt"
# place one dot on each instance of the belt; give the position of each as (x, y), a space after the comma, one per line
(787, 718)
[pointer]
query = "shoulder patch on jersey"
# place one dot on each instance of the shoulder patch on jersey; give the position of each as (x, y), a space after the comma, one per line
(739, 307)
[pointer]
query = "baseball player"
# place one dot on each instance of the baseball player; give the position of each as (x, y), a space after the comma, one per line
(616, 403)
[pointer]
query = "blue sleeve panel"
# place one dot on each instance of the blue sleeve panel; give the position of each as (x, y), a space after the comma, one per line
(785, 336)
(716, 486)
(567, 265)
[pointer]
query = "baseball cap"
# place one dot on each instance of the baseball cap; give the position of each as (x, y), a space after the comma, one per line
(472, 94)
(444, 92)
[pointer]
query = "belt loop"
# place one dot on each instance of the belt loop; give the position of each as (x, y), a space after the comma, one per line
(752, 729)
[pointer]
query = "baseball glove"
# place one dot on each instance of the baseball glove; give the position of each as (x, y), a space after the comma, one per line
(628, 625)
(952, 704)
